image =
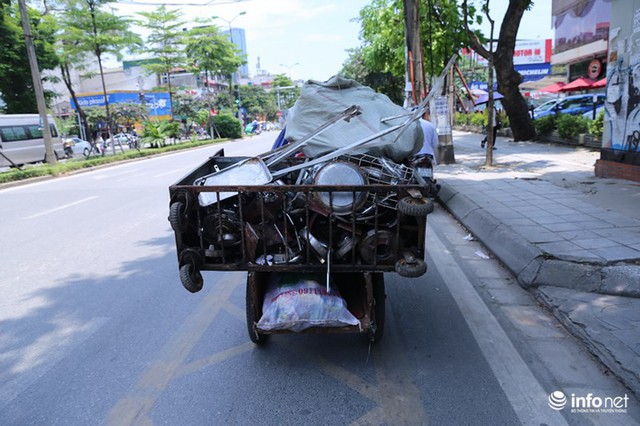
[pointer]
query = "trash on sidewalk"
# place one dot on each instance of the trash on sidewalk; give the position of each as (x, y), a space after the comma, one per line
(469, 237)
(482, 255)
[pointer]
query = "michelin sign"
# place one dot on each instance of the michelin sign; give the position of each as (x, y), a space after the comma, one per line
(531, 58)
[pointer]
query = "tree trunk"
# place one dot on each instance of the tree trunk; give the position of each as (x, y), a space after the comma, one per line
(66, 77)
(514, 103)
(508, 78)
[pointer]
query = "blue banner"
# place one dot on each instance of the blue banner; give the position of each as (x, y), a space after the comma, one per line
(158, 103)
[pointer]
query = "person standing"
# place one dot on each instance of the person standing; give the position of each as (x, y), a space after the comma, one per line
(430, 145)
(496, 125)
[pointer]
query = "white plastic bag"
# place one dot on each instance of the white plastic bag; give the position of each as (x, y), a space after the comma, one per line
(299, 301)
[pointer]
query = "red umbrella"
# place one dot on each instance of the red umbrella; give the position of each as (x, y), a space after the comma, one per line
(599, 83)
(578, 84)
(553, 88)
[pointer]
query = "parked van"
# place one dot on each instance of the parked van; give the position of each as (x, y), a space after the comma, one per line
(21, 139)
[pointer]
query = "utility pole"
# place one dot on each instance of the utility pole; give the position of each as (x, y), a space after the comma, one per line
(37, 84)
(414, 70)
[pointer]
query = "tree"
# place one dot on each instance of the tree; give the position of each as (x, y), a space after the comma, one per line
(92, 30)
(286, 92)
(384, 45)
(380, 81)
(445, 28)
(507, 77)
(165, 42)
(127, 114)
(258, 102)
(210, 52)
(16, 84)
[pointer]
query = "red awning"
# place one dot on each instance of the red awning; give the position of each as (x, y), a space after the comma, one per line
(599, 83)
(553, 88)
(578, 84)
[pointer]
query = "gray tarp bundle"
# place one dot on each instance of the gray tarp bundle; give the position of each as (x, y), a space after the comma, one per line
(320, 101)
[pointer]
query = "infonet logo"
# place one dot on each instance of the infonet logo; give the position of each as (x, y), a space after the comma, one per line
(557, 400)
(588, 404)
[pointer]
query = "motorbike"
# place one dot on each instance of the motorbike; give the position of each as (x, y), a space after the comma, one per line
(68, 148)
(422, 164)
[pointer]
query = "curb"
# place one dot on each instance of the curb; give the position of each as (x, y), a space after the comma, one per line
(598, 342)
(533, 267)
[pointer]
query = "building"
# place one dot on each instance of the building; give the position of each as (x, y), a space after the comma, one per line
(237, 37)
(581, 31)
(620, 152)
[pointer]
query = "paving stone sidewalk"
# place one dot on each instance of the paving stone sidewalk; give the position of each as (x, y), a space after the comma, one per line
(570, 238)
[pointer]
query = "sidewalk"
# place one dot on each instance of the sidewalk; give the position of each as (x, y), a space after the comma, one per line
(570, 238)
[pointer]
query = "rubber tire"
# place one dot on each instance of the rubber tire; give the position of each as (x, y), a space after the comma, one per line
(178, 217)
(85, 152)
(255, 279)
(191, 278)
(379, 297)
(417, 207)
(411, 270)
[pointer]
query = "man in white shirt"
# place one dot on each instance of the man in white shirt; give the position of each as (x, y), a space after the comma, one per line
(430, 145)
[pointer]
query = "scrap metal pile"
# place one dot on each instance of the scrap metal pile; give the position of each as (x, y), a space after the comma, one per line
(340, 197)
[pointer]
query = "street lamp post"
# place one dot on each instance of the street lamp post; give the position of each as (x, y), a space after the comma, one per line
(289, 67)
(234, 75)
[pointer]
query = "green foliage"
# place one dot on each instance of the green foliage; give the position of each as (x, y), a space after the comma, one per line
(228, 126)
(89, 29)
(596, 126)
(382, 30)
(16, 84)
(94, 116)
(570, 126)
(281, 80)
(545, 125)
(171, 128)
(164, 42)
(186, 106)
(127, 114)
(74, 165)
(153, 134)
(202, 116)
(461, 118)
(478, 119)
(261, 104)
(211, 52)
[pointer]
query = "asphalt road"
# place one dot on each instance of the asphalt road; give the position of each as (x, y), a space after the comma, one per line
(95, 327)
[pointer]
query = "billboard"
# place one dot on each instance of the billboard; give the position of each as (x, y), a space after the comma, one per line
(577, 23)
(531, 58)
(158, 103)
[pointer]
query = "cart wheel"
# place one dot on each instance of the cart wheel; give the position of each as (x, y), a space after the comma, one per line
(414, 269)
(178, 217)
(256, 283)
(379, 297)
(415, 206)
(191, 278)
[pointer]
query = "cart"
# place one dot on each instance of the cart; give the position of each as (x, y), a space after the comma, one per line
(303, 222)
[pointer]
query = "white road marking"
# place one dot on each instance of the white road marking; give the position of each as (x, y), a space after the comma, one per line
(75, 203)
(526, 395)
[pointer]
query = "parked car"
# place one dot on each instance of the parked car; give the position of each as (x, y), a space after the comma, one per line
(574, 105)
(589, 114)
(546, 106)
(79, 147)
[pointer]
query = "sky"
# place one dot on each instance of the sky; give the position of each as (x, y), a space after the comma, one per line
(308, 39)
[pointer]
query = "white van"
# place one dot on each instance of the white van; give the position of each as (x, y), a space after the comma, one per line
(21, 139)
